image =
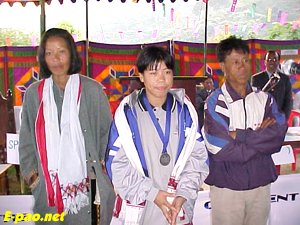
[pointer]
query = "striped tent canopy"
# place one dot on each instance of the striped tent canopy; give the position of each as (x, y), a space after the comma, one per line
(24, 2)
(38, 2)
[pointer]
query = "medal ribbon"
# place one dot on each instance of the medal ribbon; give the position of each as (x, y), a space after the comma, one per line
(164, 137)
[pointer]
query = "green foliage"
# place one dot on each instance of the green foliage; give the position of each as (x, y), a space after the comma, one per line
(283, 32)
(20, 38)
(69, 27)
(223, 36)
(276, 32)
(251, 35)
(16, 37)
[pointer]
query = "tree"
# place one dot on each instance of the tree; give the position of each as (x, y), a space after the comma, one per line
(13, 37)
(69, 27)
(283, 32)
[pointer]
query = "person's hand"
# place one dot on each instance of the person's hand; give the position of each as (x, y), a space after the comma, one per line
(266, 123)
(162, 202)
(33, 181)
(232, 134)
(177, 203)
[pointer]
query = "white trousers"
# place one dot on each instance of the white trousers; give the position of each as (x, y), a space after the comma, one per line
(229, 207)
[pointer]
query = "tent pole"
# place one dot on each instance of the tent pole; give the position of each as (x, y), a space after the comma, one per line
(205, 38)
(87, 37)
(43, 18)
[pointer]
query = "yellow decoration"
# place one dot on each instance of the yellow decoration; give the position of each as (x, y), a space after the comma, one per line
(269, 15)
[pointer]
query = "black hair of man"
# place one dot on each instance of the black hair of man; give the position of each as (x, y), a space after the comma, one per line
(272, 52)
(226, 46)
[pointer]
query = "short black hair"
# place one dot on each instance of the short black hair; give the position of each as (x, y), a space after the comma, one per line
(272, 52)
(76, 63)
(226, 46)
(150, 56)
(208, 77)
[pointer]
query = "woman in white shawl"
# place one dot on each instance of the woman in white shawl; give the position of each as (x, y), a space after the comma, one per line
(63, 136)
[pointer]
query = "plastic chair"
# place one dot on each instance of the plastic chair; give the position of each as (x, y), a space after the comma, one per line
(294, 119)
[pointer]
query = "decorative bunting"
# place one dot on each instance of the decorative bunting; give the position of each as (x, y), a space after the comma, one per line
(217, 30)
(140, 33)
(197, 34)
(153, 5)
(154, 33)
(226, 28)
(279, 16)
(195, 26)
(253, 10)
(7, 41)
(178, 16)
(269, 15)
(121, 35)
(255, 28)
(33, 41)
(263, 25)
(295, 25)
(187, 22)
(283, 18)
(233, 5)
(172, 14)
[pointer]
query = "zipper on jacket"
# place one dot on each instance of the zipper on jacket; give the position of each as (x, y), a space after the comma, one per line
(245, 112)
(245, 127)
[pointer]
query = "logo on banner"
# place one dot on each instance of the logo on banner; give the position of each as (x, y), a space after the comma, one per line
(289, 197)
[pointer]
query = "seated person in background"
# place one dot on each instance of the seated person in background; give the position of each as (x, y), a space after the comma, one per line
(282, 92)
(201, 95)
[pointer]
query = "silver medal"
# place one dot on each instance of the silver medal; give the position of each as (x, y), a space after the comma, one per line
(165, 159)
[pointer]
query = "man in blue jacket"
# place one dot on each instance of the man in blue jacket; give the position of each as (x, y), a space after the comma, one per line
(242, 129)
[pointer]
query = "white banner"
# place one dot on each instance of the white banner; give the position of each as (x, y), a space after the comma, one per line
(12, 146)
(202, 209)
(285, 204)
(285, 200)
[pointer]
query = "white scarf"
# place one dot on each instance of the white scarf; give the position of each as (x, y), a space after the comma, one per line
(66, 157)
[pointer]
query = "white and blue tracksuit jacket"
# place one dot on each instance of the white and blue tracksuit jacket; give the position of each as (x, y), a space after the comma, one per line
(245, 162)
